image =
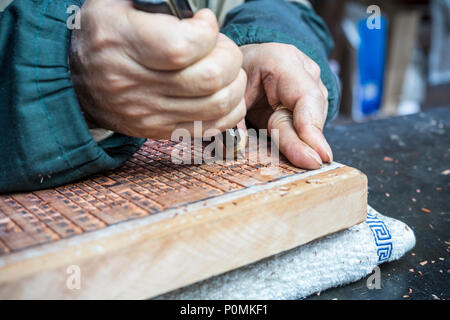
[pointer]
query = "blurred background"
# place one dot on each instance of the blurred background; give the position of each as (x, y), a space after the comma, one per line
(396, 65)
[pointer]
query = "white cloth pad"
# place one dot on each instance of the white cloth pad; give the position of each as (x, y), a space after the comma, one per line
(332, 261)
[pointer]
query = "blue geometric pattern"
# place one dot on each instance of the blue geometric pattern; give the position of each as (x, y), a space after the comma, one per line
(382, 237)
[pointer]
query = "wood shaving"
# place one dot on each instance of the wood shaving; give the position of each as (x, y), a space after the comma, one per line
(314, 181)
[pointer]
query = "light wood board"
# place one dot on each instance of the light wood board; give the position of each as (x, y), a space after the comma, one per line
(152, 226)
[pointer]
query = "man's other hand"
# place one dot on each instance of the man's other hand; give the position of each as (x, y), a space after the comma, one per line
(280, 74)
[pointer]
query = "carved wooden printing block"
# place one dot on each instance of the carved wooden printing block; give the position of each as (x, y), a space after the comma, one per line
(152, 226)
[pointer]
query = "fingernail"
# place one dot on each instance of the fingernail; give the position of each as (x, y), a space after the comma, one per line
(315, 156)
(330, 156)
(323, 144)
(327, 150)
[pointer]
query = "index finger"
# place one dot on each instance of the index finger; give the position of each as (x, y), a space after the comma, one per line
(163, 42)
(298, 152)
(309, 118)
(307, 99)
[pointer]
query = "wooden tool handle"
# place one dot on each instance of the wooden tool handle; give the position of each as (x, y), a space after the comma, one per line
(179, 8)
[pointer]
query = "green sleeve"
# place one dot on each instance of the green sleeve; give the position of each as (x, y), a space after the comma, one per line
(45, 141)
(262, 21)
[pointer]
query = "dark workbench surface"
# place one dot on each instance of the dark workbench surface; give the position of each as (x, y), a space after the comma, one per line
(404, 159)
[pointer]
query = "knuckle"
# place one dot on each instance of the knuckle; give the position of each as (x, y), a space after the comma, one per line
(134, 112)
(114, 83)
(100, 37)
(206, 33)
(326, 94)
(279, 120)
(289, 51)
(292, 48)
(316, 94)
(286, 47)
(238, 53)
(212, 77)
(229, 122)
(233, 49)
(242, 111)
(221, 103)
(99, 40)
(315, 70)
(274, 122)
(177, 53)
(224, 125)
(149, 126)
(243, 77)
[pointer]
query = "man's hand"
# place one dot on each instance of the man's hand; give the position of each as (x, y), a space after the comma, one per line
(280, 74)
(145, 75)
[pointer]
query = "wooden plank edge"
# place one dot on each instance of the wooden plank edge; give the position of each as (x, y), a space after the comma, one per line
(143, 248)
(89, 237)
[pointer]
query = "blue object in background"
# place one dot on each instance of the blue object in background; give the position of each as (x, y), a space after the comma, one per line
(371, 65)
